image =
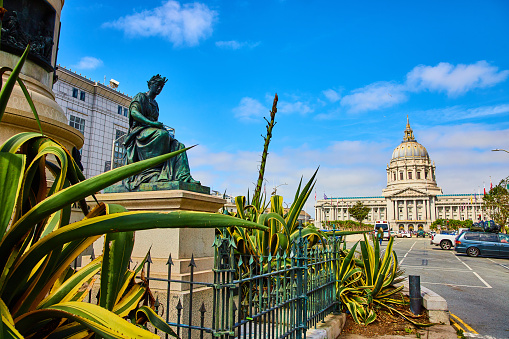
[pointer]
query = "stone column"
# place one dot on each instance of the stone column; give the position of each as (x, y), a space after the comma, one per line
(181, 243)
(37, 74)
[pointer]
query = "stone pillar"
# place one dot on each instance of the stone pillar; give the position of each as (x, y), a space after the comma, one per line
(182, 243)
(37, 74)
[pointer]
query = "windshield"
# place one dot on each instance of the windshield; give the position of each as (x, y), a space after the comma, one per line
(384, 227)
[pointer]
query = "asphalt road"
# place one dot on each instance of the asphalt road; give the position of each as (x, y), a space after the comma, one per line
(476, 289)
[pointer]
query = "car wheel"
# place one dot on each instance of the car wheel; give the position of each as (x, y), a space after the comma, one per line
(445, 244)
(473, 252)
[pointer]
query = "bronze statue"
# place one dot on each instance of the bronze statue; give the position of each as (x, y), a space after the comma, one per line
(148, 138)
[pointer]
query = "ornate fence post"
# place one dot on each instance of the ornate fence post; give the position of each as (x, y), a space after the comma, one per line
(302, 285)
(223, 314)
(335, 265)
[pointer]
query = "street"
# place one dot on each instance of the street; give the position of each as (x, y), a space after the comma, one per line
(476, 289)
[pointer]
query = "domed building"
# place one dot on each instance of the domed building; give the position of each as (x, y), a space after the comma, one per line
(412, 199)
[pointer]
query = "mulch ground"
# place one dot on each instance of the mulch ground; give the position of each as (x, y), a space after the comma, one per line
(385, 324)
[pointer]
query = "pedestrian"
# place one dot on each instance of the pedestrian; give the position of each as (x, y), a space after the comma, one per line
(380, 235)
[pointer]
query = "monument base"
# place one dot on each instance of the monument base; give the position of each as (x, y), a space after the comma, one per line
(181, 243)
(161, 186)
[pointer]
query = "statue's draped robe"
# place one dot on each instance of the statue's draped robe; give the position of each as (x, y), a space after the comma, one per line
(144, 142)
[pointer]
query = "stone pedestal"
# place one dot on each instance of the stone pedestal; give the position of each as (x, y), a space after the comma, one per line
(182, 243)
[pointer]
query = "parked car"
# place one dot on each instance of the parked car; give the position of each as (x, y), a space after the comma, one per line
(420, 233)
(446, 241)
(483, 243)
(404, 234)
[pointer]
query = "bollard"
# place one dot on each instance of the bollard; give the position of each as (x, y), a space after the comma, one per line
(414, 284)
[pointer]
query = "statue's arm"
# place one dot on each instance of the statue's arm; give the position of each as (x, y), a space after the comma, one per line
(135, 111)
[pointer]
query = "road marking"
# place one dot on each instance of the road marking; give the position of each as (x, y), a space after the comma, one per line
(461, 261)
(484, 282)
(464, 324)
(504, 266)
(407, 252)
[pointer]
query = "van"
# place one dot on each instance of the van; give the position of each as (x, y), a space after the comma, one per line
(385, 227)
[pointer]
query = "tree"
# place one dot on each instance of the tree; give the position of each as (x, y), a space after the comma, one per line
(359, 212)
(496, 204)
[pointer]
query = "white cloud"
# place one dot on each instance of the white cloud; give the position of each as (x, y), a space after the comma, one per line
(185, 24)
(374, 96)
(88, 63)
(250, 109)
(445, 77)
(332, 95)
(298, 107)
(233, 44)
(455, 80)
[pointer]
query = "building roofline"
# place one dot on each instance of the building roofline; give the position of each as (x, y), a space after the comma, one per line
(92, 83)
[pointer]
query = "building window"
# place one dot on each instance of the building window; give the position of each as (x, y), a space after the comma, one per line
(418, 175)
(394, 176)
(410, 175)
(119, 109)
(82, 96)
(107, 166)
(425, 174)
(400, 175)
(75, 93)
(77, 123)
(125, 111)
(118, 149)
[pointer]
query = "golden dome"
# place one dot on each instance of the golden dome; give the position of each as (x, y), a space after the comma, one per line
(409, 147)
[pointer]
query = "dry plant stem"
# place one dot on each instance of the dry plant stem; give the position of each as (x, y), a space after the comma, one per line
(270, 126)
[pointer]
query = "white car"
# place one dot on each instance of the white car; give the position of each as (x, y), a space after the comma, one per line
(404, 234)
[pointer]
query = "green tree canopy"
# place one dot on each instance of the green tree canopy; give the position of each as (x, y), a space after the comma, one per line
(496, 204)
(358, 211)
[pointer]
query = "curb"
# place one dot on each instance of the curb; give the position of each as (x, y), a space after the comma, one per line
(329, 328)
(436, 306)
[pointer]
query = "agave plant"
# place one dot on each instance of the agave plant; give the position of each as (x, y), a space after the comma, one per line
(366, 284)
(40, 295)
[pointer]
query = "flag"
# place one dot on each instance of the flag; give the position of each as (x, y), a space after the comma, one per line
(470, 198)
(475, 197)
(491, 185)
(484, 185)
(324, 196)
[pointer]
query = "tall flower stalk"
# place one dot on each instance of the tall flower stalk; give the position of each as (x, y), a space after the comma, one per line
(270, 125)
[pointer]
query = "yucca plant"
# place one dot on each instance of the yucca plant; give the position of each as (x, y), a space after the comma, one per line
(366, 284)
(40, 295)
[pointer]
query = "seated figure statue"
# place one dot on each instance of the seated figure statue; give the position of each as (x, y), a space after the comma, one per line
(147, 138)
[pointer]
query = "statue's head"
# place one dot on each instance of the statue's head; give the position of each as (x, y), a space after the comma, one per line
(157, 79)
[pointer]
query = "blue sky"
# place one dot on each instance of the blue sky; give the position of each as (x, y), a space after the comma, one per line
(347, 74)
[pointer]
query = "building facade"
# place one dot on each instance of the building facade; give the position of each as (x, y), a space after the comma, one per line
(412, 198)
(99, 112)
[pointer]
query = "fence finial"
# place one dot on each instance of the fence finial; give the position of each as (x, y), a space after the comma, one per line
(192, 263)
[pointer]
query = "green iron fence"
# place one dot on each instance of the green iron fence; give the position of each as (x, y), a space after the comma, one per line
(270, 296)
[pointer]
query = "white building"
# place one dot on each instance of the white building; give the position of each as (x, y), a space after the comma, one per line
(412, 198)
(99, 112)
